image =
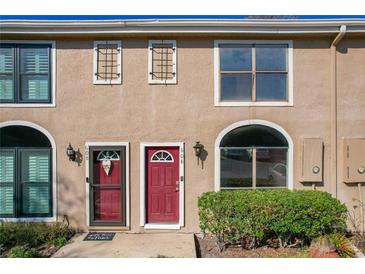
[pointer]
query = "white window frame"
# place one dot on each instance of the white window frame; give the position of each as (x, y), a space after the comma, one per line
(52, 104)
(219, 103)
(97, 81)
(150, 64)
(217, 154)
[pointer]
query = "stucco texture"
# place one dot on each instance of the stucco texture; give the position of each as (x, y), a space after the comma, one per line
(137, 112)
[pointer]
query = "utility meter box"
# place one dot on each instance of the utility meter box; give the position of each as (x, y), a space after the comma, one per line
(312, 160)
(353, 156)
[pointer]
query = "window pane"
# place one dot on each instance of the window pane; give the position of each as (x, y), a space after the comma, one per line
(34, 60)
(35, 166)
(236, 87)
(236, 167)
(162, 62)
(271, 86)
(271, 167)
(107, 64)
(35, 87)
(271, 57)
(235, 57)
(6, 87)
(35, 199)
(7, 162)
(254, 136)
(34, 68)
(6, 74)
(36, 182)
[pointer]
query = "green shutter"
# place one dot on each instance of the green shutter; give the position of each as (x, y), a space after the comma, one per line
(7, 166)
(36, 181)
(34, 73)
(6, 74)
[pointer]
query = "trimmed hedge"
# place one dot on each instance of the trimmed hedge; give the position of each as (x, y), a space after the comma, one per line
(255, 217)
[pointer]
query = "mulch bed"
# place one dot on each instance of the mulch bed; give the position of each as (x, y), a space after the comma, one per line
(207, 248)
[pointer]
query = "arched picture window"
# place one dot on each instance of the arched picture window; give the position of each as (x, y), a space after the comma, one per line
(253, 156)
(162, 156)
(25, 173)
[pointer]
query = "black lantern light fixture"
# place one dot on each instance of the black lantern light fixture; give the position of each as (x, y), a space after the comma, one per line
(198, 148)
(71, 153)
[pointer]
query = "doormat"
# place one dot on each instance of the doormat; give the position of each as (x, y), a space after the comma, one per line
(99, 236)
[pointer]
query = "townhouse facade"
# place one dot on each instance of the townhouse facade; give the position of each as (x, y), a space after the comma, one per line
(121, 125)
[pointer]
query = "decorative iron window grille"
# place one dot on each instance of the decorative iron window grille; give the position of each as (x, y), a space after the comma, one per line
(107, 62)
(162, 61)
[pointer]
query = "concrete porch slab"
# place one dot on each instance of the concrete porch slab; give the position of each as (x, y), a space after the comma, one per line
(128, 245)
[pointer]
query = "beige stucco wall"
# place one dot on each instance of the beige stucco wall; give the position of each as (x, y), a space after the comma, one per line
(351, 108)
(138, 112)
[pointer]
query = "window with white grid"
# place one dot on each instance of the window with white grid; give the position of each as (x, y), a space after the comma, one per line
(162, 62)
(107, 62)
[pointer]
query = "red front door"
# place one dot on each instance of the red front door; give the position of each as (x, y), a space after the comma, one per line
(162, 185)
(106, 186)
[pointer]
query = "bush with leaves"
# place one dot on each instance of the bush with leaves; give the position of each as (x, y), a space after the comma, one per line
(255, 217)
(22, 238)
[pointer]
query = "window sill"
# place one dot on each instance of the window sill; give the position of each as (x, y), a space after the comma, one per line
(162, 82)
(253, 104)
(29, 220)
(107, 83)
(32, 105)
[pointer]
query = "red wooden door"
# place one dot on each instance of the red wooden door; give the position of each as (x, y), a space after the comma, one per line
(106, 185)
(162, 185)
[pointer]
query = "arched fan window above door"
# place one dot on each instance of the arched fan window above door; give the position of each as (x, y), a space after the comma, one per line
(162, 156)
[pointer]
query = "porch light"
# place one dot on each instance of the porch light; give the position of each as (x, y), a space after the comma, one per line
(198, 148)
(71, 153)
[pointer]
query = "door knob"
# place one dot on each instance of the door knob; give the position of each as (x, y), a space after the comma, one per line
(177, 186)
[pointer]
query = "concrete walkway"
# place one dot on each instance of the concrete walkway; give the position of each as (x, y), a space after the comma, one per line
(128, 245)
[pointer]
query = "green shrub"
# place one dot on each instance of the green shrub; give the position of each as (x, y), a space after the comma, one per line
(22, 252)
(252, 217)
(34, 235)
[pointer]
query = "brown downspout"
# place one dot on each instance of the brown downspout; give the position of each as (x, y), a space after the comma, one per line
(333, 125)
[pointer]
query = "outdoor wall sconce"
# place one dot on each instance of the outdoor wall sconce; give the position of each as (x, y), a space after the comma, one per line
(198, 148)
(71, 153)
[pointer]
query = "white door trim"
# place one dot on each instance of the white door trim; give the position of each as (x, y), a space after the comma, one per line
(142, 192)
(127, 187)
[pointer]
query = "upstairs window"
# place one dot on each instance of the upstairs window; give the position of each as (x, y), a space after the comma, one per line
(253, 73)
(25, 73)
(162, 62)
(107, 62)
